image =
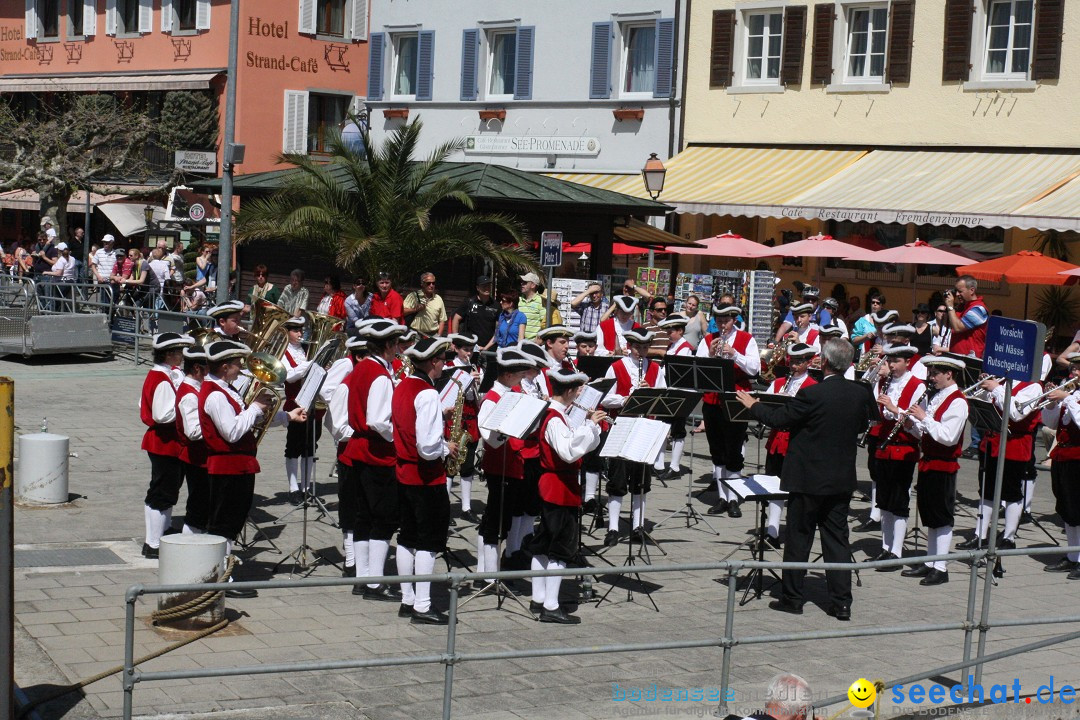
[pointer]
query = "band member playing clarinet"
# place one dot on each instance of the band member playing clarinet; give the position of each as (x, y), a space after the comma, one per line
(940, 424)
(561, 450)
(157, 409)
(726, 438)
(630, 373)
(421, 475)
(1063, 414)
(675, 325)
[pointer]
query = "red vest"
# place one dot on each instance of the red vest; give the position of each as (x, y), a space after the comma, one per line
(936, 456)
(878, 388)
(160, 438)
(777, 443)
(505, 460)
(812, 336)
(291, 388)
(223, 458)
(623, 383)
(904, 445)
(608, 326)
(193, 452)
(567, 365)
(1068, 440)
(1019, 444)
(411, 468)
(365, 446)
(678, 347)
(558, 479)
(742, 380)
(967, 341)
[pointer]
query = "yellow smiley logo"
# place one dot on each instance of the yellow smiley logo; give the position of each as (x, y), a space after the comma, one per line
(862, 693)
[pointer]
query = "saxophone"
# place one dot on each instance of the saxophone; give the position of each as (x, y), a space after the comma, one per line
(404, 371)
(458, 433)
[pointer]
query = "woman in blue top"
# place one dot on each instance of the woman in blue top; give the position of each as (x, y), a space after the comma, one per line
(510, 329)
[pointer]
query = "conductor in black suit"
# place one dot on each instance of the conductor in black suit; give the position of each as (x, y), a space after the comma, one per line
(819, 472)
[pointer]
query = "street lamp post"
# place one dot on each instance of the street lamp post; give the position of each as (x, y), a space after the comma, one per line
(148, 216)
(653, 175)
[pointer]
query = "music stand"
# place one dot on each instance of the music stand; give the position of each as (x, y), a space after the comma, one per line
(762, 489)
(595, 366)
(490, 364)
(985, 416)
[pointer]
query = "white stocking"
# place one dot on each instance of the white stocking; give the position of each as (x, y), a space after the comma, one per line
(887, 528)
(899, 531)
(466, 493)
(1072, 536)
(425, 565)
(491, 559)
(1029, 493)
(481, 557)
(773, 525)
(449, 483)
(592, 481)
(614, 507)
(551, 591)
(1012, 519)
(291, 467)
(347, 545)
(361, 554)
(539, 584)
(377, 552)
(155, 526)
(875, 511)
(942, 545)
(405, 566)
(983, 523)
(931, 545)
(637, 511)
(658, 465)
(676, 454)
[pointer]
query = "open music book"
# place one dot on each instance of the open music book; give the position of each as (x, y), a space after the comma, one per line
(516, 415)
(448, 394)
(636, 439)
(587, 401)
(313, 380)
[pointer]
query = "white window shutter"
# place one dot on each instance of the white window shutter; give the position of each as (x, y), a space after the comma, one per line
(202, 15)
(294, 129)
(110, 17)
(166, 16)
(31, 19)
(356, 105)
(146, 16)
(359, 27)
(89, 22)
(307, 17)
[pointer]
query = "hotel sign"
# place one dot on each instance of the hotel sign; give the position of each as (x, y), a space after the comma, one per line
(193, 161)
(532, 145)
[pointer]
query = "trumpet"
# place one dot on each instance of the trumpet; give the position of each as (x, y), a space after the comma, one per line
(871, 372)
(1043, 400)
(973, 389)
(770, 358)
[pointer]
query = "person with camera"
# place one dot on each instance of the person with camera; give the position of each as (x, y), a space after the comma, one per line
(966, 315)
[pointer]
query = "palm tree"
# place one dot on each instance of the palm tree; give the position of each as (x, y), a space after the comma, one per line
(372, 209)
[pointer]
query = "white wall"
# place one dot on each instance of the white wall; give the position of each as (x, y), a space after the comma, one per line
(560, 105)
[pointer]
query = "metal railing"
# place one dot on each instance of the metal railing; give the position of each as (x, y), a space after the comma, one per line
(969, 625)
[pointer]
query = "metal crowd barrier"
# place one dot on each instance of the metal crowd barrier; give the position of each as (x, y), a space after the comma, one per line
(727, 642)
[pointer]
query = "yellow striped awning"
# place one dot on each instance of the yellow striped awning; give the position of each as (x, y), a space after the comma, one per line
(1057, 210)
(603, 181)
(973, 188)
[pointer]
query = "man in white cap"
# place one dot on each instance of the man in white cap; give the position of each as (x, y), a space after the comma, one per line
(532, 304)
(634, 371)
(610, 331)
(421, 475)
(231, 446)
(897, 452)
(462, 361)
(157, 410)
(102, 265)
(227, 315)
(301, 439)
(561, 453)
(371, 458)
(1063, 416)
(939, 424)
(726, 438)
(192, 446)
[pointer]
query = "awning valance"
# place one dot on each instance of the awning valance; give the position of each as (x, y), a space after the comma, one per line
(30, 200)
(107, 83)
(642, 233)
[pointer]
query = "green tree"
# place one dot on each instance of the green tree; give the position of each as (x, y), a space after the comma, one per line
(189, 121)
(375, 209)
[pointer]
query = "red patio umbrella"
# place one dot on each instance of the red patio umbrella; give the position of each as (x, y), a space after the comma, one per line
(616, 248)
(819, 246)
(727, 244)
(917, 253)
(1027, 266)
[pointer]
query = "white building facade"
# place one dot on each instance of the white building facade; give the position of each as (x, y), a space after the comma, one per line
(559, 86)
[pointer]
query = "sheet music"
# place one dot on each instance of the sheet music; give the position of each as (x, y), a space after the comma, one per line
(587, 401)
(636, 439)
(313, 380)
(515, 414)
(448, 396)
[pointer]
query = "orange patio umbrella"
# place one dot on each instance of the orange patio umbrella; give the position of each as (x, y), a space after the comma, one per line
(1027, 266)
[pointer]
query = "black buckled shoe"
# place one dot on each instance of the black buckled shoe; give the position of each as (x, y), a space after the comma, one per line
(1006, 544)
(535, 607)
(719, 508)
(348, 571)
(382, 593)
(936, 577)
(559, 617)
(839, 611)
(431, 617)
(149, 553)
(359, 590)
(918, 571)
(1064, 565)
(882, 554)
(404, 610)
(733, 510)
(1074, 575)
(611, 539)
(868, 525)
(971, 544)
(786, 606)
(888, 556)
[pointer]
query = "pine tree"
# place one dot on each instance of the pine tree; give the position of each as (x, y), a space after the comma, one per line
(189, 121)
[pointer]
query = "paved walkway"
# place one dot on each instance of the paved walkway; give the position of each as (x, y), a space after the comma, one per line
(69, 619)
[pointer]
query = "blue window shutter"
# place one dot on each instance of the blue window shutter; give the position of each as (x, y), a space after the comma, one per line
(523, 64)
(600, 72)
(665, 57)
(376, 50)
(470, 60)
(425, 64)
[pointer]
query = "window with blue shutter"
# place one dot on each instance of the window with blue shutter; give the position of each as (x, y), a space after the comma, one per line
(600, 70)
(470, 61)
(425, 64)
(665, 57)
(376, 51)
(523, 65)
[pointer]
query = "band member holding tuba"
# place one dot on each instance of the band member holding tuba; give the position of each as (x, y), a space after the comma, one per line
(463, 349)
(940, 424)
(561, 451)
(421, 475)
(227, 428)
(157, 410)
(301, 439)
(898, 452)
(192, 446)
(227, 315)
(632, 372)
(1063, 415)
(726, 438)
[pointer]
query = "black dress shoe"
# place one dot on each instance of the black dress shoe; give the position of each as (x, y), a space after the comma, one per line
(612, 538)
(589, 506)
(536, 608)
(839, 611)
(470, 517)
(971, 544)
(242, 594)
(999, 569)
(868, 525)
(883, 554)
(916, 571)
(936, 577)
(404, 610)
(1074, 575)
(453, 522)
(359, 590)
(1063, 565)
(170, 531)
(970, 453)
(348, 571)
(733, 510)
(1006, 544)
(637, 535)
(149, 553)
(382, 593)
(560, 617)
(431, 617)
(296, 497)
(786, 606)
(719, 508)
(888, 556)
(668, 474)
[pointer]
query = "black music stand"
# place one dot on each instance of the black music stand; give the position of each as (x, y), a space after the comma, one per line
(762, 489)
(488, 361)
(595, 366)
(984, 415)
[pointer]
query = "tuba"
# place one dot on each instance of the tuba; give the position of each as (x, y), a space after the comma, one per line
(323, 328)
(266, 333)
(269, 377)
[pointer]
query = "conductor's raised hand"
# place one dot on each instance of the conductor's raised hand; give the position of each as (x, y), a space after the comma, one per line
(746, 398)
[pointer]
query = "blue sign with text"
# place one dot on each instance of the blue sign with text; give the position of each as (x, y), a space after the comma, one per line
(1014, 348)
(551, 249)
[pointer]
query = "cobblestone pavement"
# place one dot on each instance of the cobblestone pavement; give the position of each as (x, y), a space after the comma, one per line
(69, 619)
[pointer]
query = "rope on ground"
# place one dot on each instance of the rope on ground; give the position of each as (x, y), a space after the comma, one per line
(190, 608)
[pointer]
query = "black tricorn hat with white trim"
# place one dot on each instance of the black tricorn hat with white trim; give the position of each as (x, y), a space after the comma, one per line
(382, 330)
(884, 316)
(732, 310)
(355, 343)
(226, 350)
(639, 335)
(460, 339)
(675, 320)
(898, 329)
(566, 377)
(626, 303)
(901, 350)
(295, 323)
(195, 352)
(539, 354)
(801, 350)
(802, 308)
(225, 309)
(951, 363)
(172, 341)
(427, 348)
(587, 337)
(555, 331)
(512, 359)
(832, 331)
